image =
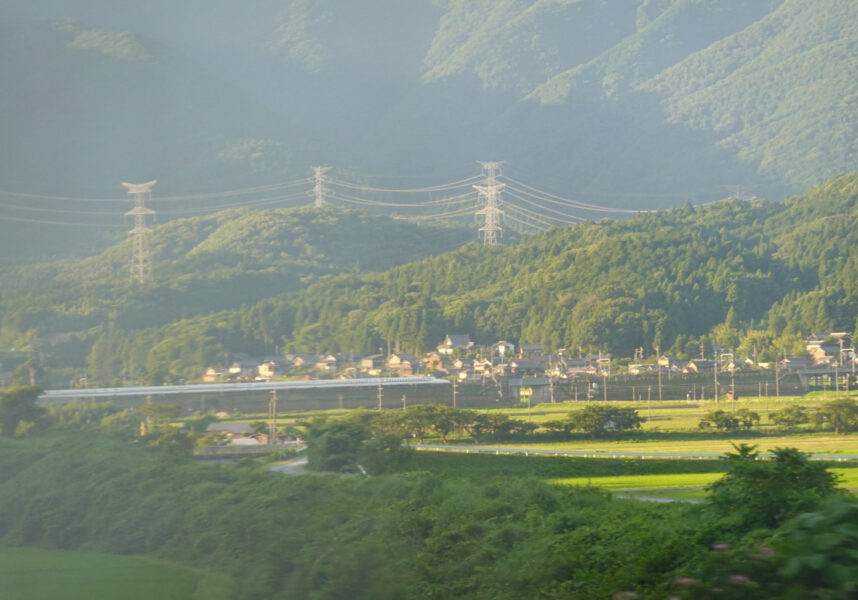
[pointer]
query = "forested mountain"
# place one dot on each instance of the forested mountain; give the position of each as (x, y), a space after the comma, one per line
(633, 103)
(755, 276)
(202, 265)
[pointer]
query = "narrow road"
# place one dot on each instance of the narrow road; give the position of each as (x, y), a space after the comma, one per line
(291, 467)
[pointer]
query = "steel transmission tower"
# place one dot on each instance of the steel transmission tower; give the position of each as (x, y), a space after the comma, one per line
(141, 259)
(491, 191)
(319, 189)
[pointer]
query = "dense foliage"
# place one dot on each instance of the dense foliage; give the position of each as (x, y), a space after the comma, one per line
(413, 535)
(755, 276)
(332, 537)
(766, 493)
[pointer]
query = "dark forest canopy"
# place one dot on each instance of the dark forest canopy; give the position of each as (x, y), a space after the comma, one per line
(739, 274)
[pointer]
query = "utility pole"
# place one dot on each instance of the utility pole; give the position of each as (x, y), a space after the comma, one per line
(380, 396)
(272, 418)
(455, 392)
(658, 368)
(491, 192)
(319, 190)
(715, 360)
(777, 382)
(141, 259)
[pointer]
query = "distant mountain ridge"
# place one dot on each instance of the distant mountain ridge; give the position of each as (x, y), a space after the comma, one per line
(629, 103)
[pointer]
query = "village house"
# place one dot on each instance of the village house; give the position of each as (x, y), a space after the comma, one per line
(796, 363)
(639, 369)
(402, 364)
(372, 364)
(530, 350)
(327, 363)
(453, 342)
(525, 368)
(272, 367)
(435, 361)
(302, 360)
(697, 366)
(214, 375)
(231, 430)
(502, 349)
(244, 370)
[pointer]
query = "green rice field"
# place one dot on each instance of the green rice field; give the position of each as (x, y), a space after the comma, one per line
(37, 574)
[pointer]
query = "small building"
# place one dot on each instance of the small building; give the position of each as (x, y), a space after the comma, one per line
(699, 365)
(232, 430)
(372, 364)
(243, 369)
(402, 364)
(530, 350)
(523, 368)
(435, 361)
(796, 363)
(453, 342)
(214, 375)
(272, 367)
(502, 348)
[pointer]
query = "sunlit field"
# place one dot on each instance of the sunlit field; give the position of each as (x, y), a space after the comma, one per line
(36, 574)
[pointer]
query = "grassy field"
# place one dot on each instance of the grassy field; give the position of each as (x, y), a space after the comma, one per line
(36, 574)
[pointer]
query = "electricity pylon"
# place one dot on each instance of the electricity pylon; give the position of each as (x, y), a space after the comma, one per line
(491, 191)
(141, 259)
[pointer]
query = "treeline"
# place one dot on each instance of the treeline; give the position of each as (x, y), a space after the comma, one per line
(418, 535)
(753, 276)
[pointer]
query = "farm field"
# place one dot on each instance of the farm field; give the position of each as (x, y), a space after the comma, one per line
(37, 574)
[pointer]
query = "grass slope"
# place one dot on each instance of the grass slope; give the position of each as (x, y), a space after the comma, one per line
(38, 574)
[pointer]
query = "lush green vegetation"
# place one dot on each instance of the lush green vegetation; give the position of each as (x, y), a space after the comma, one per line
(398, 536)
(36, 574)
(751, 276)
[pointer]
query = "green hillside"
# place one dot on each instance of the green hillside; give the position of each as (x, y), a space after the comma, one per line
(793, 96)
(202, 265)
(85, 109)
(36, 574)
(756, 275)
(642, 103)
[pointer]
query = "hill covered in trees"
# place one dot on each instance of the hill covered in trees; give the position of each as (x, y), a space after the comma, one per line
(633, 103)
(201, 265)
(747, 275)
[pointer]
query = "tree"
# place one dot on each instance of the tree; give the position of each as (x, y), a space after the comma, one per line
(334, 445)
(720, 420)
(18, 405)
(601, 420)
(746, 418)
(384, 454)
(790, 417)
(841, 414)
(756, 492)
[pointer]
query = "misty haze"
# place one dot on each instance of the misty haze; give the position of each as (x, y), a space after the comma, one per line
(437, 299)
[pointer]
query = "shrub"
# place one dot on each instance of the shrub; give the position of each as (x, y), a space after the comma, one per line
(766, 493)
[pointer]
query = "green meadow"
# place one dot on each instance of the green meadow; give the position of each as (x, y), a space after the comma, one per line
(37, 574)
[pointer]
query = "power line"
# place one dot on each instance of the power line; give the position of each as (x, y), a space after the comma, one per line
(61, 210)
(492, 213)
(567, 215)
(47, 222)
(584, 205)
(437, 188)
